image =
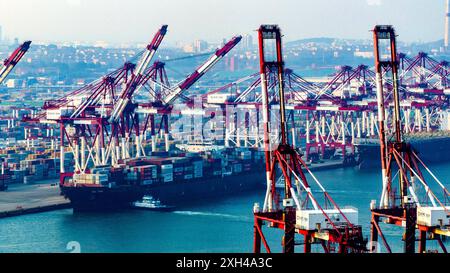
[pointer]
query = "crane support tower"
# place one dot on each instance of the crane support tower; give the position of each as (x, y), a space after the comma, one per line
(402, 180)
(13, 59)
(290, 209)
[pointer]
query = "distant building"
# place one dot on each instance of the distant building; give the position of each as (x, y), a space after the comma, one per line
(101, 44)
(188, 48)
(14, 83)
(200, 45)
(363, 54)
(233, 65)
(248, 41)
(79, 81)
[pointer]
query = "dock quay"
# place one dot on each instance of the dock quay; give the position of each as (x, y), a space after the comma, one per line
(22, 199)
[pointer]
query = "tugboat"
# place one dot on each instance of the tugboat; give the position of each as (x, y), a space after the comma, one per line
(149, 203)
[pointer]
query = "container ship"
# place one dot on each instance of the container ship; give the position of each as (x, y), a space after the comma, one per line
(173, 178)
(431, 148)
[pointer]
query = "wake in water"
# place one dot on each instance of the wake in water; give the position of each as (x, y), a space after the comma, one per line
(212, 214)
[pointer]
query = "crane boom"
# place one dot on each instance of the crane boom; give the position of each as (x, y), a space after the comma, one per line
(13, 59)
(138, 73)
(201, 70)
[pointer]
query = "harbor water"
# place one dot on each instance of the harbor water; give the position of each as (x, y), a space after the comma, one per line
(210, 225)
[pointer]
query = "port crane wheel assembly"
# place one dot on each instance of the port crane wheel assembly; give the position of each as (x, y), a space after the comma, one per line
(294, 216)
(401, 168)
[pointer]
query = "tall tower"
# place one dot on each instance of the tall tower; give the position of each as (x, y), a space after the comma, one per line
(447, 22)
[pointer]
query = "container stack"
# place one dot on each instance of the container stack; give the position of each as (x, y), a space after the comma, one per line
(236, 166)
(188, 171)
(37, 171)
(198, 168)
(28, 179)
(145, 174)
(18, 176)
(178, 169)
(167, 173)
(91, 178)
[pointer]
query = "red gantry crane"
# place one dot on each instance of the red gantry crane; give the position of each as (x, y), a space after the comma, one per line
(290, 210)
(84, 113)
(138, 73)
(165, 99)
(13, 59)
(407, 199)
(105, 122)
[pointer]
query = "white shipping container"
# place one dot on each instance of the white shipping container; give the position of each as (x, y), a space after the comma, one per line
(310, 219)
(445, 120)
(218, 98)
(433, 216)
(55, 114)
(89, 178)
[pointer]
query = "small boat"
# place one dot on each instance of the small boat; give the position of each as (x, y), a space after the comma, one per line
(149, 203)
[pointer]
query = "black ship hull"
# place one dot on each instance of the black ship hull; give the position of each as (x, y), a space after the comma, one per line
(102, 198)
(430, 150)
(178, 193)
(171, 193)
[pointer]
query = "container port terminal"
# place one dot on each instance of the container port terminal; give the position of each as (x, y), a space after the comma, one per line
(336, 121)
(139, 130)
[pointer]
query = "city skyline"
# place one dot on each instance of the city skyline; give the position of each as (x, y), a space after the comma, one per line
(114, 23)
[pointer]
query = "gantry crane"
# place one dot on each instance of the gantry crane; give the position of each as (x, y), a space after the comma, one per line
(401, 168)
(164, 101)
(290, 209)
(138, 73)
(13, 59)
(101, 122)
(132, 83)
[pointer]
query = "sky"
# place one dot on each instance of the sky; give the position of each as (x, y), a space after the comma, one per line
(129, 21)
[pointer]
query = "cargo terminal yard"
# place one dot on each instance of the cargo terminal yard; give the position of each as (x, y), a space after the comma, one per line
(333, 129)
(23, 199)
(131, 132)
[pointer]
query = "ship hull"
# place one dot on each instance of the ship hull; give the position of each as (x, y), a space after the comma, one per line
(178, 193)
(172, 193)
(429, 150)
(102, 198)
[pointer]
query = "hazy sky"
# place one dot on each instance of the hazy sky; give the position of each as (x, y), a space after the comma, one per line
(116, 21)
